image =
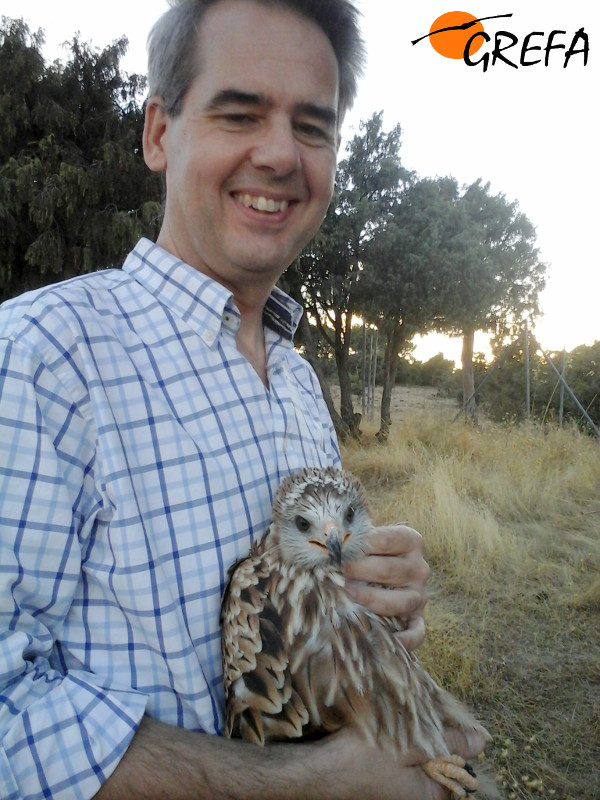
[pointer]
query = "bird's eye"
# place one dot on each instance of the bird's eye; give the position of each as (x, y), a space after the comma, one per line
(302, 524)
(349, 514)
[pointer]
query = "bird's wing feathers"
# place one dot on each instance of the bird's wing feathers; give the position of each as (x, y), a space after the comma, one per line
(348, 667)
(261, 703)
(406, 707)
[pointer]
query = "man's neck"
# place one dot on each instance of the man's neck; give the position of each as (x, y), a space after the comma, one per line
(250, 300)
(250, 341)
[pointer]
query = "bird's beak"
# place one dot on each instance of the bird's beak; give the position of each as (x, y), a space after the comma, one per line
(333, 541)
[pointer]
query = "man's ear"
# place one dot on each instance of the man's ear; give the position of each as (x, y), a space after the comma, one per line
(155, 126)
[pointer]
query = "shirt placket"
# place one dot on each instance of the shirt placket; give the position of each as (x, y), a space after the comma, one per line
(298, 439)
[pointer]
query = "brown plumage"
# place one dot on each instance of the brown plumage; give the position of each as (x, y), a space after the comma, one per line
(300, 657)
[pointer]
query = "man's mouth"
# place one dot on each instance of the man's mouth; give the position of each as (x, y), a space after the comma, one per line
(260, 203)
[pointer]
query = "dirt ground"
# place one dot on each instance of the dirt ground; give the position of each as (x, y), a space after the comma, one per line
(404, 398)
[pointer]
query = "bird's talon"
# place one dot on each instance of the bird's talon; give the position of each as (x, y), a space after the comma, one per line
(468, 768)
(454, 773)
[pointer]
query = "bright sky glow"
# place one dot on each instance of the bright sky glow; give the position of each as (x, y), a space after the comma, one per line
(531, 132)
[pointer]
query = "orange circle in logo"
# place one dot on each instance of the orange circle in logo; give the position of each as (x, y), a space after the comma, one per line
(451, 43)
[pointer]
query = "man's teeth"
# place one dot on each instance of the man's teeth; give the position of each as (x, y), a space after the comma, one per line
(262, 204)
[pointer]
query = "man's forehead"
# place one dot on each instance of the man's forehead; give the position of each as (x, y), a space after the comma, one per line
(264, 55)
(267, 31)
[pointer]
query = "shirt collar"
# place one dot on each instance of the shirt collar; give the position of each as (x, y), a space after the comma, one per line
(198, 299)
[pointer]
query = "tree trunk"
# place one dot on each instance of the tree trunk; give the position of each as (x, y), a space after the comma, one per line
(342, 346)
(390, 367)
(468, 376)
(349, 418)
(304, 336)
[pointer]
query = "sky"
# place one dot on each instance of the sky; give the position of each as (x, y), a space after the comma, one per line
(530, 131)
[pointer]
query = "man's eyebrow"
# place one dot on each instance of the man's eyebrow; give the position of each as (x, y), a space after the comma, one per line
(238, 97)
(235, 97)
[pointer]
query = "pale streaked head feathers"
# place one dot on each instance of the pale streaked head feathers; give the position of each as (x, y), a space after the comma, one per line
(315, 508)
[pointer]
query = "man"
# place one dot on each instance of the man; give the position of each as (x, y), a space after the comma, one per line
(150, 414)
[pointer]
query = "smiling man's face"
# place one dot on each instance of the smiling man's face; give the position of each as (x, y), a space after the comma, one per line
(250, 161)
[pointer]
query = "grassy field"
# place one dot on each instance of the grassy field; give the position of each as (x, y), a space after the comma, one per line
(511, 523)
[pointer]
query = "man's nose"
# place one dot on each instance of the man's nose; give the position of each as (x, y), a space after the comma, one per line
(277, 149)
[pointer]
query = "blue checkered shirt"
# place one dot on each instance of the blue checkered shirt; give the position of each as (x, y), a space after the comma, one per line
(139, 453)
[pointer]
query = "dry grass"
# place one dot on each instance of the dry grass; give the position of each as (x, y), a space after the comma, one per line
(511, 523)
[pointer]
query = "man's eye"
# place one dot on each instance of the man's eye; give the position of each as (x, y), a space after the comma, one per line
(238, 120)
(302, 524)
(313, 133)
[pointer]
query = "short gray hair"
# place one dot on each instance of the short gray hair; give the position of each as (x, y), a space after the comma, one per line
(172, 43)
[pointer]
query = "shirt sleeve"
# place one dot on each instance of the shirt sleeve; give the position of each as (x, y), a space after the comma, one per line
(62, 731)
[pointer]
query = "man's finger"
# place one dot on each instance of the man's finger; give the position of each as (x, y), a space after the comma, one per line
(393, 570)
(468, 745)
(414, 633)
(394, 540)
(386, 602)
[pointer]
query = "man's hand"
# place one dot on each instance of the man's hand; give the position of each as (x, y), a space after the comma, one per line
(370, 773)
(391, 580)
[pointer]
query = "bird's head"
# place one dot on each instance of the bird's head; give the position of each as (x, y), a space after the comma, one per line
(321, 517)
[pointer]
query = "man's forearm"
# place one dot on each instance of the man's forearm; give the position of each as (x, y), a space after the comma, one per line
(167, 763)
(164, 762)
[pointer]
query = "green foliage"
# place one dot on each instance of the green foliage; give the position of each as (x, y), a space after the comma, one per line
(333, 266)
(400, 291)
(367, 183)
(450, 261)
(492, 269)
(75, 193)
(406, 261)
(437, 372)
(582, 372)
(503, 393)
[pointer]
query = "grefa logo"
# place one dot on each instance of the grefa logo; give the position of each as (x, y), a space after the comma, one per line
(459, 34)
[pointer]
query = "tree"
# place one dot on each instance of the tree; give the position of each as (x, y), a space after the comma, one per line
(448, 262)
(75, 193)
(400, 291)
(503, 392)
(583, 376)
(502, 389)
(367, 183)
(493, 272)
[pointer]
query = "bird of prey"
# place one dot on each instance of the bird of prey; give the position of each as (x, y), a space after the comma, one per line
(300, 657)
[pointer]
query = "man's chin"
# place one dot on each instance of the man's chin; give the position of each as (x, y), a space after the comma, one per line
(270, 264)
